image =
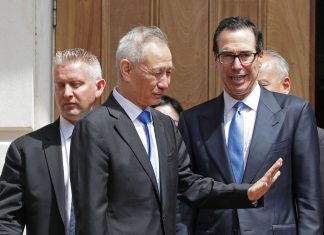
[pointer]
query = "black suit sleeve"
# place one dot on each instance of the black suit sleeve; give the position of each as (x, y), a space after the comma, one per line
(11, 193)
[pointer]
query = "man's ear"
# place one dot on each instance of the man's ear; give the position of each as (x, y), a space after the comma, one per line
(100, 85)
(125, 68)
(260, 58)
(286, 84)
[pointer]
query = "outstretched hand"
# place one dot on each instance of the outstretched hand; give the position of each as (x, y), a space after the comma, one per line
(259, 188)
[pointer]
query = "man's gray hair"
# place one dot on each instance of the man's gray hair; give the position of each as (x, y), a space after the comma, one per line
(130, 46)
(282, 64)
(73, 55)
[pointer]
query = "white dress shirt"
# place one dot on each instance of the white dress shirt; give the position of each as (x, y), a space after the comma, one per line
(66, 129)
(133, 111)
(248, 113)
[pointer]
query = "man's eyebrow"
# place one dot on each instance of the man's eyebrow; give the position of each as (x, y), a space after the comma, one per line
(232, 53)
(162, 67)
(246, 51)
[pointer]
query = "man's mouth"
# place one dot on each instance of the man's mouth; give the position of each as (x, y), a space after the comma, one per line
(70, 104)
(237, 77)
(158, 94)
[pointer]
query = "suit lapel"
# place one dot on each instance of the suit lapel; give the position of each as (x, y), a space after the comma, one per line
(264, 134)
(127, 131)
(53, 155)
(212, 130)
(162, 151)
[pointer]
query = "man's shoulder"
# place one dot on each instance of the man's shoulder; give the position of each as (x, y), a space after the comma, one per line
(49, 131)
(288, 98)
(206, 106)
(290, 101)
(101, 117)
(95, 114)
(46, 130)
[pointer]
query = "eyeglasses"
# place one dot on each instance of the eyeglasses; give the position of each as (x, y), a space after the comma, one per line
(244, 58)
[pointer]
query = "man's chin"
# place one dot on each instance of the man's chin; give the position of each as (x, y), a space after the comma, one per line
(72, 116)
(157, 100)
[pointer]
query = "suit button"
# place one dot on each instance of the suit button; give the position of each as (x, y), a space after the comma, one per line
(234, 231)
(163, 217)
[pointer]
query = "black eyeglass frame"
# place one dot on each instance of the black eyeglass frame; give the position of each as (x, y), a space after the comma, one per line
(237, 56)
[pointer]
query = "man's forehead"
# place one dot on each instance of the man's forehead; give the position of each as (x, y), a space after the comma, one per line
(241, 39)
(163, 66)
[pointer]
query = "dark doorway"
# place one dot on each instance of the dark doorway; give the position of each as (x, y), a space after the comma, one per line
(319, 71)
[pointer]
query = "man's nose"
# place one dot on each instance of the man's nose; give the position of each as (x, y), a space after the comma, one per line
(164, 82)
(237, 63)
(68, 91)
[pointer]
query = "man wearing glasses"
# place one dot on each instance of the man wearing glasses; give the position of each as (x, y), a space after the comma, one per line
(235, 137)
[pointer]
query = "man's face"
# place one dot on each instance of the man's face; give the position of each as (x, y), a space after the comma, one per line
(239, 79)
(270, 78)
(149, 80)
(75, 90)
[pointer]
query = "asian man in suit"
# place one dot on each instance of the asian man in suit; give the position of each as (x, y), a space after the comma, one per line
(236, 136)
(35, 189)
(128, 160)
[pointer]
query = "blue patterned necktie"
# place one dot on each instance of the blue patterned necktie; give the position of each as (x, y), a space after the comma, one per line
(72, 221)
(145, 118)
(235, 143)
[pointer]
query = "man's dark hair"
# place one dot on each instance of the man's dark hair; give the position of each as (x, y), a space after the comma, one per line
(236, 23)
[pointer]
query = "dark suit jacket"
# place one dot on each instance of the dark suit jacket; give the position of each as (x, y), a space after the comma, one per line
(321, 143)
(113, 184)
(32, 184)
(285, 127)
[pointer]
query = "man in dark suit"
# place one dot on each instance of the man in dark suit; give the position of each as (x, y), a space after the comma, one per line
(273, 125)
(126, 157)
(34, 186)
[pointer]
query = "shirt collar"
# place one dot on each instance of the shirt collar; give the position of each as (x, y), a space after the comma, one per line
(252, 100)
(130, 108)
(66, 127)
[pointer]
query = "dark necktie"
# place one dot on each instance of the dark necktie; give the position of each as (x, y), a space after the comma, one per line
(72, 221)
(235, 143)
(145, 118)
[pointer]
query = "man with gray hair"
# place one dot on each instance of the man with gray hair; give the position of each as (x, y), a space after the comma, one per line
(128, 160)
(274, 72)
(35, 186)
